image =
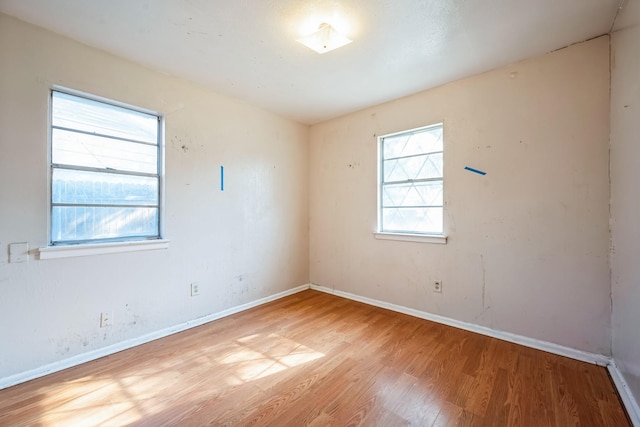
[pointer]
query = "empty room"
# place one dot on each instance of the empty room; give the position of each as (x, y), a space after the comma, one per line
(319, 212)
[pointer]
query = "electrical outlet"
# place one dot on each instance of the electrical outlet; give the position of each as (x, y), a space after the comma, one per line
(106, 319)
(437, 286)
(195, 289)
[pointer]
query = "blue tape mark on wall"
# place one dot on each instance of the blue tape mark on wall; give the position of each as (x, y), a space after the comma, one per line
(221, 178)
(474, 170)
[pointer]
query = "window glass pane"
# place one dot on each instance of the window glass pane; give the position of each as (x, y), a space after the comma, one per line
(412, 220)
(85, 223)
(417, 167)
(97, 117)
(413, 194)
(114, 202)
(82, 187)
(425, 141)
(72, 148)
(411, 181)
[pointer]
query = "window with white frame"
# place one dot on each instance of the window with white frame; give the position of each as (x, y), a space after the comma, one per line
(410, 198)
(106, 166)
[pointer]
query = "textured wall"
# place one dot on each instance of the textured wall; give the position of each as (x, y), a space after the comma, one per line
(528, 242)
(625, 203)
(247, 242)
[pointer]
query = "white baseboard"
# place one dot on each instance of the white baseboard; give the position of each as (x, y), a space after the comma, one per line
(618, 380)
(628, 399)
(561, 350)
(133, 342)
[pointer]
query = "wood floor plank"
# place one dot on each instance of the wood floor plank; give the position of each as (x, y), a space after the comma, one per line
(419, 407)
(314, 359)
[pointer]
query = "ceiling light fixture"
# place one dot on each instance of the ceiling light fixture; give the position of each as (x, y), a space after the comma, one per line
(325, 39)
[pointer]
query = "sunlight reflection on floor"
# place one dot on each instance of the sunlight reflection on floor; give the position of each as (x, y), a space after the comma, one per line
(108, 402)
(252, 364)
(96, 399)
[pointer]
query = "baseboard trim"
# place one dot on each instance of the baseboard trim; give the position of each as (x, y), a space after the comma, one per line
(550, 347)
(133, 342)
(629, 401)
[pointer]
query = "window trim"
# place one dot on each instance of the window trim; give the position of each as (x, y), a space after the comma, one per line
(68, 251)
(129, 243)
(408, 236)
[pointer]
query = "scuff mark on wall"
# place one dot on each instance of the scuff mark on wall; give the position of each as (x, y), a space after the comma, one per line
(180, 144)
(242, 287)
(482, 313)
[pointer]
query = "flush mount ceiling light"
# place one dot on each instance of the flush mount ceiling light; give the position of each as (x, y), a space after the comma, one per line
(325, 39)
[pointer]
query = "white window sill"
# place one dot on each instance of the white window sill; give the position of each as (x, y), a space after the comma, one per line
(53, 252)
(419, 238)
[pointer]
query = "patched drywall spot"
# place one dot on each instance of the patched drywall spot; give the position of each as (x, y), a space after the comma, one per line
(242, 286)
(482, 314)
(63, 347)
(75, 341)
(130, 319)
(179, 143)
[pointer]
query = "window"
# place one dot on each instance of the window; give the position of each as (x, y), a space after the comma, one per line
(411, 182)
(105, 171)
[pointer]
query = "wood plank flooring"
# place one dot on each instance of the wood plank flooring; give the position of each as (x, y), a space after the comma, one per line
(316, 359)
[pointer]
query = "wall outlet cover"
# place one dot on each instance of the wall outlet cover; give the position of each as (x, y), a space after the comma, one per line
(437, 286)
(106, 319)
(195, 289)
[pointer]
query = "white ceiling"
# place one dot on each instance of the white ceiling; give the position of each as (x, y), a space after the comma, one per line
(247, 48)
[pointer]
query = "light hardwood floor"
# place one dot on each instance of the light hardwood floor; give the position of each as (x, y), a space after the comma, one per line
(317, 359)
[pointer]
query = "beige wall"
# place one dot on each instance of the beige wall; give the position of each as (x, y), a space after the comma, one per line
(247, 242)
(528, 242)
(625, 202)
